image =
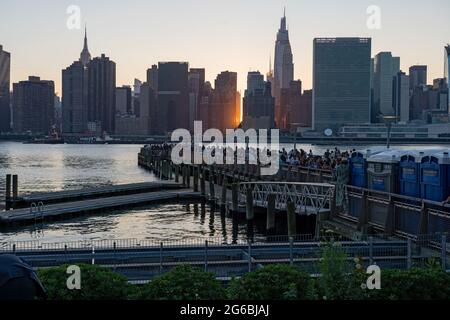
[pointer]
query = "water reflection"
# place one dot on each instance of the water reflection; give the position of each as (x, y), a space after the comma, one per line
(46, 168)
(158, 223)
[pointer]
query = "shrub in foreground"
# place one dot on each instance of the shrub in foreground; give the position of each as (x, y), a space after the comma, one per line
(97, 283)
(274, 282)
(413, 284)
(183, 283)
(339, 280)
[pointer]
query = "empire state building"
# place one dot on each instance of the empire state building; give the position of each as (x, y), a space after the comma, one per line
(284, 66)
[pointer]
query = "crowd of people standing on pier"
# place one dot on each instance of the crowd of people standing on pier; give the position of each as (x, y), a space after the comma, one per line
(295, 157)
(328, 161)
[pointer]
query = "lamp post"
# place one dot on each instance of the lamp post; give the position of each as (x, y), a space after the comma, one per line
(296, 125)
(388, 121)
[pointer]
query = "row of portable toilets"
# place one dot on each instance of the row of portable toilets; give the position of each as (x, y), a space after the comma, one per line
(420, 174)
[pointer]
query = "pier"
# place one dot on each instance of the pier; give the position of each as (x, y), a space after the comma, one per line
(15, 201)
(241, 188)
(49, 206)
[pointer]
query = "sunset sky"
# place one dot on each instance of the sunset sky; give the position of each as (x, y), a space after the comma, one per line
(235, 35)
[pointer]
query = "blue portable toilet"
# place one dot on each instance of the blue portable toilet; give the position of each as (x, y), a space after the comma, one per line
(435, 176)
(409, 174)
(358, 166)
(382, 171)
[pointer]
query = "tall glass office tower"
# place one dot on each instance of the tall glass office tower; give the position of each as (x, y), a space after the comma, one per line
(447, 71)
(5, 113)
(342, 80)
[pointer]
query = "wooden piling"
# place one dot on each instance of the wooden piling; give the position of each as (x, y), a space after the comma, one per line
(188, 176)
(235, 197)
(202, 182)
(250, 209)
(15, 186)
(8, 187)
(212, 193)
(291, 219)
(224, 189)
(270, 226)
(195, 179)
(170, 170)
(177, 173)
(8, 192)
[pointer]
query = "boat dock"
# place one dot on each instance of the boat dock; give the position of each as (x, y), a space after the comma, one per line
(26, 201)
(40, 212)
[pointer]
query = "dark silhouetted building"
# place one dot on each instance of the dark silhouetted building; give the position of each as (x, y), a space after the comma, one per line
(222, 109)
(341, 77)
(75, 94)
(102, 94)
(152, 77)
(123, 100)
(430, 103)
(259, 105)
(284, 67)
(196, 87)
(204, 105)
(148, 107)
(75, 99)
(33, 106)
(447, 70)
(417, 76)
(173, 96)
(5, 70)
(401, 97)
(297, 107)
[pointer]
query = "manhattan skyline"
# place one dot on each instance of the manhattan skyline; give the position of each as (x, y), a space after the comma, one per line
(236, 36)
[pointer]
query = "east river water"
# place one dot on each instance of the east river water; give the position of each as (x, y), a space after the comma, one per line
(46, 168)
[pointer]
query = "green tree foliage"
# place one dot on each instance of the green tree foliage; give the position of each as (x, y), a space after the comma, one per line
(274, 282)
(413, 284)
(183, 283)
(97, 283)
(339, 279)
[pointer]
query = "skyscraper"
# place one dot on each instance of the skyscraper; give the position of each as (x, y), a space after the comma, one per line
(417, 76)
(75, 94)
(341, 80)
(123, 100)
(196, 84)
(447, 71)
(5, 111)
(284, 66)
(173, 96)
(75, 99)
(85, 56)
(33, 106)
(222, 108)
(298, 107)
(101, 94)
(401, 96)
(152, 77)
(148, 107)
(386, 67)
(259, 105)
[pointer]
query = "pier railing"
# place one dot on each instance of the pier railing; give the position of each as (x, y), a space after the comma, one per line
(362, 210)
(395, 214)
(306, 197)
